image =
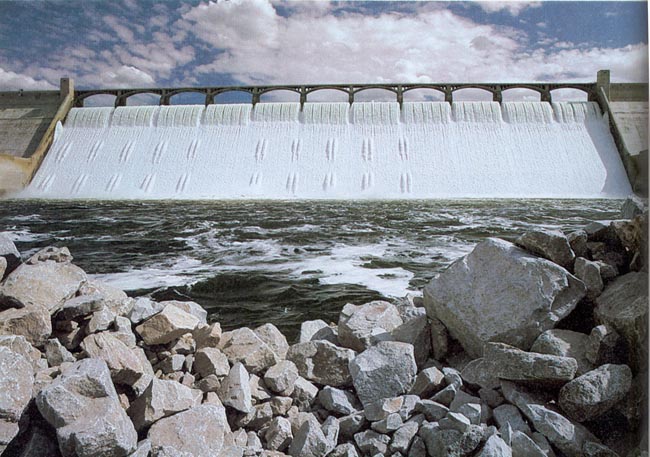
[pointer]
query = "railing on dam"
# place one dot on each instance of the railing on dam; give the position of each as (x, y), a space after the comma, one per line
(210, 93)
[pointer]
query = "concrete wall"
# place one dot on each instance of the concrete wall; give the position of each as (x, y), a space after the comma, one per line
(24, 119)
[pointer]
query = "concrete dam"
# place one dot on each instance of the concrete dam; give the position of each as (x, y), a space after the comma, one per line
(354, 150)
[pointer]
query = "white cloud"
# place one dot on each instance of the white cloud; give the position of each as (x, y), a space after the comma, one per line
(15, 81)
(126, 76)
(123, 32)
(513, 7)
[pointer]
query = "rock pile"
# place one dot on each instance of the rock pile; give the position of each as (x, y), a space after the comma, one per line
(531, 349)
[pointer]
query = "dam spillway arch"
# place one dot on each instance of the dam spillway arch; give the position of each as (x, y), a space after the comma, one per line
(334, 151)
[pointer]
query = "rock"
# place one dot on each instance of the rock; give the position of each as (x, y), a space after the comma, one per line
(623, 305)
(362, 326)
(210, 361)
(207, 336)
(278, 436)
(160, 399)
(604, 345)
(450, 443)
(322, 362)
(281, 377)
(20, 345)
(507, 362)
(56, 353)
(351, 424)
(382, 371)
(578, 242)
(479, 373)
(633, 206)
(381, 408)
(446, 395)
(171, 364)
(16, 388)
(432, 410)
(100, 321)
(197, 432)
(9, 253)
(51, 253)
(372, 443)
(245, 346)
(389, 424)
(45, 284)
(344, 450)
(472, 411)
(125, 366)
(310, 441)
(338, 401)
(235, 390)
(304, 392)
(550, 244)
(499, 292)
(403, 436)
(454, 421)
(166, 326)
(331, 428)
(495, 447)
(594, 393)
(439, 339)
(589, 273)
(524, 446)
(415, 331)
(428, 382)
(564, 343)
(189, 307)
(80, 306)
(509, 414)
(316, 330)
(3, 269)
(143, 309)
(270, 334)
(33, 322)
(83, 406)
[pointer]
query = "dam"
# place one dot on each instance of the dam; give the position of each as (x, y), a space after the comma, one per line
(355, 150)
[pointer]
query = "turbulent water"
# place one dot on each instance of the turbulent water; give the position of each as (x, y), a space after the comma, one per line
(334, 151)
(251, 262)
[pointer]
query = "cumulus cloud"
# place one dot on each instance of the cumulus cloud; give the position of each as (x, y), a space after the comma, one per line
(513, 7)
(16, 81)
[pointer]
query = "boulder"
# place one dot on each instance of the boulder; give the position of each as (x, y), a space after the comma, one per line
(160, 399)
(372, 443)
(322, 362)
(189, 307)
(144, 308)
(80, 306)
(207, 336)
(245, 346)
(605, 345)
(578, 242)
(9, 253)
(403, 437)
(235, 389)
(589, 273)
(415, 330)
(278, 436)
(310, 441)
(166, 326)
(20, 345)
(550, 244)
(317, 330)
(623, 305)
(495, 447)
(363, 325)
(16, 388)
(84, 407)
(52, 254)
(44, 283)
(208, 361)
(270, 334)
(344, 450)
(56, 353)
(197, 432)
(382, 371)
(123, 363)
(507, 362)
(479, 373)
(509, 414)
(428, 382)
(499, 292)
(523, 445)
(633, 206)
(338, 401)
(33, 322)
(450, 443)
(281, 377)
(565, 343)
(596, 392)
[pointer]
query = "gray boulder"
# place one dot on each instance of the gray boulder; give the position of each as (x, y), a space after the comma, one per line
(9, 253)
(495, 447)
(210, 361)
(594, 393)
(450, 443)
(278, 436)
(125, 366)
(499, 292)
(564, 343)
(523, 445)
(56, 353)
(245, 346)
(589, 273)
(361, 326)
(33, 322)
(80, 306)
(281, 377)
(143, 309)
(44, 283)
(338, 401)
(415, 330)
(197, 432)
(274, 338)
(550, 244)
(84, 407)
(322, 362)
(310, 441)
(428, 382)
(16, 387)
(189, 307)
(20, 345)
(623, 305)
(372, 443)
(166, 326)
(235, 390)
(382, 371)
(507, 362)
(160, 399)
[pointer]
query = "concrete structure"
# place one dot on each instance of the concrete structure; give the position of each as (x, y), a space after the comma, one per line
(27, 124)
(28, 119)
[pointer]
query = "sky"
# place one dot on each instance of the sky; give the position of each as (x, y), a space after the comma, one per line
(142, 43)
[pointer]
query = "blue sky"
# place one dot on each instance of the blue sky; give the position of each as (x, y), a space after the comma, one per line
(129, 43)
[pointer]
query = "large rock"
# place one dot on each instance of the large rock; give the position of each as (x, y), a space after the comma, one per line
(310, 441)
(235, 390)
(565, 343)
(507, 362)
(550, 244)
(281, 377)
(245, 346)
(8, 252)
(16, 386)
(361, 326)
(144, 308)
(450, 443)
(415, 330)
(322, 362)
(594, 393)
(44, 283)
(338, 401)
(33, 322)
(161, 399)
(499, 292)
(20, 345)
(270, 334)
(80, 306)
(623, 305)
(382, 371)
(589, 273)
(189, 307)
(210, 361)
(125, 366)
(197, 432)
(84, 407)
(167, 325)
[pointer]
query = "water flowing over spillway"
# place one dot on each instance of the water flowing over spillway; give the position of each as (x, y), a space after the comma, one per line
(334, 150)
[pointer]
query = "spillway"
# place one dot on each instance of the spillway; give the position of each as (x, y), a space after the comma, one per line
(334, 151)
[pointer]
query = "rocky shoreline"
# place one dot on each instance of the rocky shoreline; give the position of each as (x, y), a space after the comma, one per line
(532, 348)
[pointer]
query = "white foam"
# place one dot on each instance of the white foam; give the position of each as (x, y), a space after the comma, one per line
(330, 151)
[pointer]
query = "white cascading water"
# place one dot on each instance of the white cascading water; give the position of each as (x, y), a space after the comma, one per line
(333, 150)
